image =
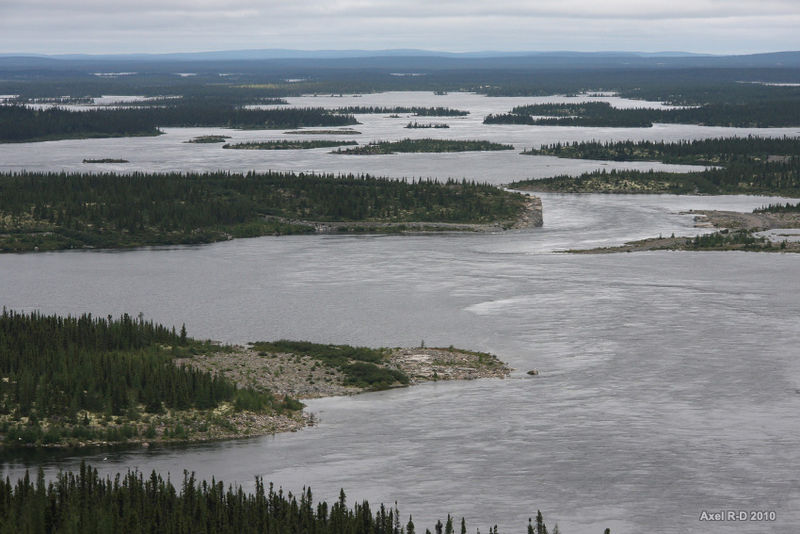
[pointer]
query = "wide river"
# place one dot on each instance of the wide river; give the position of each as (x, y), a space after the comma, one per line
(669, 381)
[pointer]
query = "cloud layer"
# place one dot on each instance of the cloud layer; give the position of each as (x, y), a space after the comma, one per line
(99, 26)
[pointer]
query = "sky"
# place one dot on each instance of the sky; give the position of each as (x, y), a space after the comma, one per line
(161, 26)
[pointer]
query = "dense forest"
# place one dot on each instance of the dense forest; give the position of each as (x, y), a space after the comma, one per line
(47, 211)
(424, 145)
(283, 144)
(21, 124)
(740, 177)
(82, 502)
(84, 378)
(715, 151)
(773, 113)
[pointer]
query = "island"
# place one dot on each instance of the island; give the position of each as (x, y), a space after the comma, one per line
(205, 139)
(53, 211)
(423, 145)
(282, 144)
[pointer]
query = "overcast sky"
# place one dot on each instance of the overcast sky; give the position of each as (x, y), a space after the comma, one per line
(123, 26)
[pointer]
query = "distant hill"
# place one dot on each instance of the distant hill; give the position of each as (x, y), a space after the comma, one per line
(403, 60)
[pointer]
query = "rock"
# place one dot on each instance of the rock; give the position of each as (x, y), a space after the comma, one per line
(533, 372)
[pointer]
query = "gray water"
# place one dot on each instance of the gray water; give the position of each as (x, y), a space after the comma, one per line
(669, 381)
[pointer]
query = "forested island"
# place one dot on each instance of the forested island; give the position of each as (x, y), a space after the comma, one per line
(51, 211)
(759, 114)
(282, 144)
(84, 502)
(205, 139)
(424, 125)
(22, 124)
(424, 145)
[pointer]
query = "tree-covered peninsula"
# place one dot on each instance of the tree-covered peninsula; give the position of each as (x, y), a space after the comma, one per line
(86, 503)
(424, 145)
(71, 381)
(50, 211)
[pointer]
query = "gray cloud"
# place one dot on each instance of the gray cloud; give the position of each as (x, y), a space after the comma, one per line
(94, 26)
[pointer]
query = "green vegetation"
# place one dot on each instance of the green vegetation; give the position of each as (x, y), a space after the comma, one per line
(424, 145)
(361, 365)
(106, 160)
(85, 503)
(736, 179)
(751, 165)
(67, 380)
(22, 124)
(779, 208)
(287, 145)
(602, 114)
(342, 131)
(434, 125)
(209, 139)
(49, 211)
(717, 151)
(725, 240)
(418, 111)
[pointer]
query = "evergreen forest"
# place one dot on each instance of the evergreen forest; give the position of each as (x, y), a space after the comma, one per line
(48, 211)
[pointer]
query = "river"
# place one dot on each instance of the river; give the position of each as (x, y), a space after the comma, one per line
(669, 381)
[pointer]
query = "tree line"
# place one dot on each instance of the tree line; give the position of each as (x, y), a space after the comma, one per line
(84, 502)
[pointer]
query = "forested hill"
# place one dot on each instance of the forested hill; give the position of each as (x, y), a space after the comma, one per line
(56, 211)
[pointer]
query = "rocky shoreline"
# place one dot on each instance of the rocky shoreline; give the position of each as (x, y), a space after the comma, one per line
(303, 377)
